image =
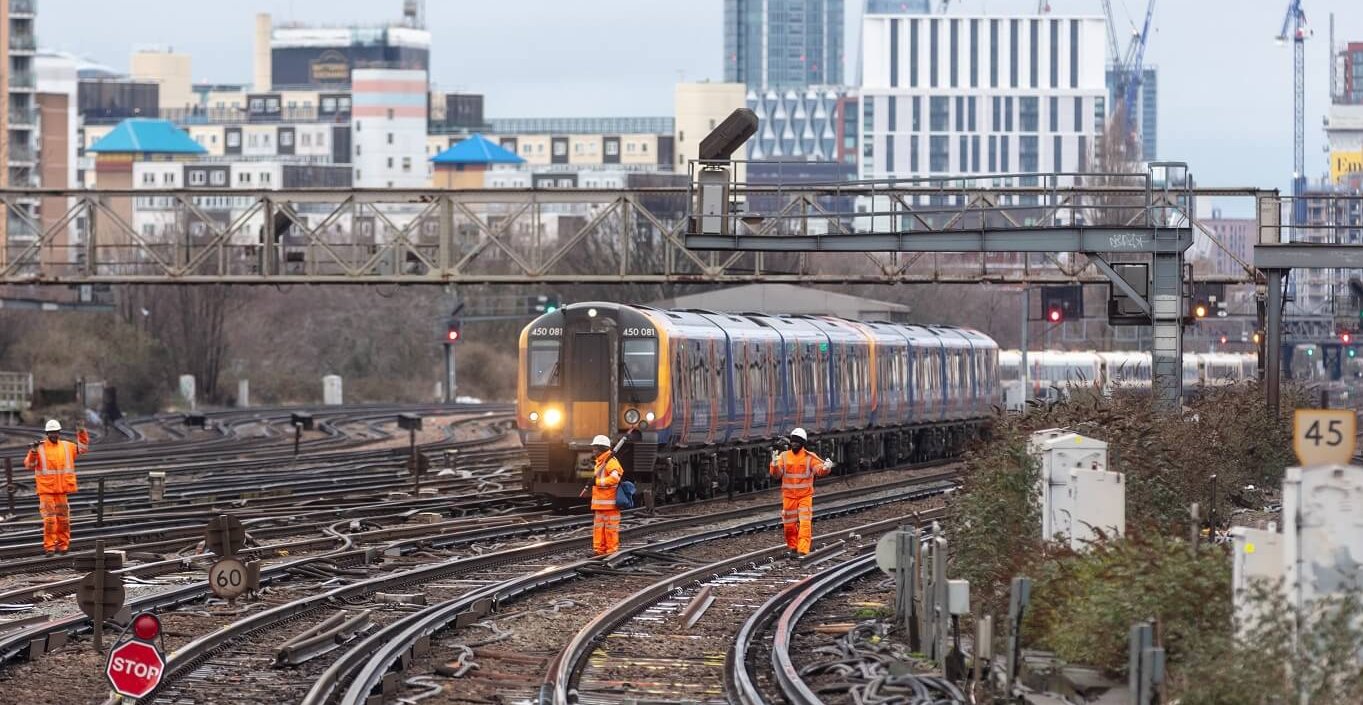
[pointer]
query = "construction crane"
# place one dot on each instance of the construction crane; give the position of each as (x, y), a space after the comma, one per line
(1128, 73)
(1294, 29)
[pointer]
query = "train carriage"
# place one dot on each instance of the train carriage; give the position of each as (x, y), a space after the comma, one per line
(704, 395)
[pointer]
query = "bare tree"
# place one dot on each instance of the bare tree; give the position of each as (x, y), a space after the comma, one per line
(187, 321)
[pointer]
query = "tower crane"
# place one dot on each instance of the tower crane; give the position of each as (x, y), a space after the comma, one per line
(1128, 74)
(1294, 29)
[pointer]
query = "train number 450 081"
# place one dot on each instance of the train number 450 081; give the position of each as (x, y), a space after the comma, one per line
(638, 332)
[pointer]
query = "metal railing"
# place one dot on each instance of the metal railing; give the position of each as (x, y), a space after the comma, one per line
(22, 116)
(23, 7)
(22, 79)
(22, 42)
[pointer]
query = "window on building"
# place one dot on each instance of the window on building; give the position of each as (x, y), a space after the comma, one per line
(994, 54)
(406, 164)
(1074, 53)
(894, 53)
(358, 125)
(892, 114)
(390, 113)
(939, 109)
(328, 105)
(955, 52)
(1013, 27)
(1057, 153)
(257, 105)
(933, 26)
(1008, 114)
(357, 150)
(307, 139)
(613, 148)
(197, 178)
(148, 178)
(264, 177)
(244, 177)
(1078, 114)
(322, 139)
(358, 176)
(960, 113)
(560, 149)
(1055, 114)
(975, 153)
(1034, 48)
(971, 102)
(1028, 119)
(390, 162)
(390, 138)
(939, 154)
(168, 178)
(889, 154)
(219, 178)
(234, 139)
(343, 104)
(913, 53)
(974, 53)
(253, 140)
(643, 147)
(629, 147)
(1055, 53)
(1028, 158)
(913, 154)
(962, 152)
(1003, 153)
(285, 139)
(272, 105)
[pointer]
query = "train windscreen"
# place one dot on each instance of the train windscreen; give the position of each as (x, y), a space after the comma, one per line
(543, 363)
(640, 363)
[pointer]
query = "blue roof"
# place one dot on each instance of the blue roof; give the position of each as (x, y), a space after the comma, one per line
(477, 149)
(147, 135)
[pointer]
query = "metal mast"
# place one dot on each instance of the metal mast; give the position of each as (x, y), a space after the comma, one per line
(1294, 29)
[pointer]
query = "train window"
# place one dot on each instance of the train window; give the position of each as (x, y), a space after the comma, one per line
(639, 363)
(543, 363)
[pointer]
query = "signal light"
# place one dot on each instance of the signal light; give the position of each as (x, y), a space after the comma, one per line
(1055, 315)
(1223, 340)
(146, 626)
(1345, 337)
(1258, 337)
(1200, 310)
(1352, 351)
(453, 331)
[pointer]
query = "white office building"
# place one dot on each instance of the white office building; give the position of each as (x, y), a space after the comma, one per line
(963, 95)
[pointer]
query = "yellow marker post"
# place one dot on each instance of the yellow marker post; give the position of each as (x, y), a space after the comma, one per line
(1324, 436)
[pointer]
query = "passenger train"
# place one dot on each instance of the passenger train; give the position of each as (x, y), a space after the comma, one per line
(1054, 372)
(704, 396)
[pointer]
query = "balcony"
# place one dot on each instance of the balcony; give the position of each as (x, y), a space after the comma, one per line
(23, 42)
(23, 7)
(22, 79)
(22, 154)
(22, 117)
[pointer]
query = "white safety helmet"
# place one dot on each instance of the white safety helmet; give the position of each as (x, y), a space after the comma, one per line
(601, 441)
(52, 425)
(800, 434)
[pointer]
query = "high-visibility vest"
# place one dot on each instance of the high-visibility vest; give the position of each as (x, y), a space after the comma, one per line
(797, 471)
(54, 464)
(607, 476)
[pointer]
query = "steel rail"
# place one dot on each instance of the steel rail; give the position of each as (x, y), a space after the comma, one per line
(793, 687)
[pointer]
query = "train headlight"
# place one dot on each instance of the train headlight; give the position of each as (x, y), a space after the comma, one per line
(534, 417)
(591, 313)
(631, 416)
(552, 418)
(649, 417)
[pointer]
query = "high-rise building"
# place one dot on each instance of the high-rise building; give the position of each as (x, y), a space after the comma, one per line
(322, 58)
(1352, 58)
(388, 128)
(18, 116)
(1147, 101)
(970, 94)
(780, 44)
(816, 124)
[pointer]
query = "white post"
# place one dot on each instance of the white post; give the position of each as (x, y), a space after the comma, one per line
(331, 390)
(243, 393)
(187, 391)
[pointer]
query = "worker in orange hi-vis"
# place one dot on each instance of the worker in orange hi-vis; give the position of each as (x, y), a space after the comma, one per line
(53, 462)
(606, 517)
(797, 469)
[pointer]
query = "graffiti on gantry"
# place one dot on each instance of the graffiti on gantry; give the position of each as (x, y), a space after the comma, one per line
(1126, 241)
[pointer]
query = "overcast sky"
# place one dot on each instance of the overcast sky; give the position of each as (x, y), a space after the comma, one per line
(1225, 88)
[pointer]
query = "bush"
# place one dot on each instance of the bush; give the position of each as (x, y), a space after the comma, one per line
(1083, 604)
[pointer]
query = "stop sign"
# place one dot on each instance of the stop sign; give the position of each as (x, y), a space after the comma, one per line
(134, 668)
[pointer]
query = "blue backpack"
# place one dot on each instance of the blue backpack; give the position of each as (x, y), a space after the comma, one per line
(624, 495)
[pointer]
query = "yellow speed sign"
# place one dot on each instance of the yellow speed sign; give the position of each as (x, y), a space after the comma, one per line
(1324, 436)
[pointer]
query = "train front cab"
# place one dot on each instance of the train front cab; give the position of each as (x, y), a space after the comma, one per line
(589, 369)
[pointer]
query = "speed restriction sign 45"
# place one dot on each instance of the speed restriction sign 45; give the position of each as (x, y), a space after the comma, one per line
(1324, 436)
(227, 578)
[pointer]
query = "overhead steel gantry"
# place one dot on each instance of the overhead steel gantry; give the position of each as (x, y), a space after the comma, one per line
(1146, 215)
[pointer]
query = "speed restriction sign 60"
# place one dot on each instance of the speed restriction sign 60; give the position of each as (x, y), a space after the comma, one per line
(227, 578)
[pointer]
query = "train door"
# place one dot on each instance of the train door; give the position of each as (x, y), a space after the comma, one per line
(592, 385)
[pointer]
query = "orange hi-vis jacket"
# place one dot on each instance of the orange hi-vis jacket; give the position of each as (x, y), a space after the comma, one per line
(54, 464)
(797, 472)
(608, 475)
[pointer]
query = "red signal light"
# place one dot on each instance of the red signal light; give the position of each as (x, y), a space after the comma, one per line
(1055, 315)
(1223, 340)
(1345, 337)
(146, 627)
(452, 336)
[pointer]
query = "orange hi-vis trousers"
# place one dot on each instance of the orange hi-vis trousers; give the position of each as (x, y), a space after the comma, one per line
(606, 531)
(797, 519)
(56, 522)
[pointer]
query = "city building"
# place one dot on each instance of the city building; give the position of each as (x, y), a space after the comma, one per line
(323, 58)
(1147, 115)
(1236, 238)
(18, 111)
(388, 128)
(699, 108)
(1352, 69)
(58, 121)
(815, 124)
(961, 95)
(171, 72)
(466, 163)
(780, 44)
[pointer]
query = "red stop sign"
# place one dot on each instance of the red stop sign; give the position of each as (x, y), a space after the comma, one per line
(134, 668)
